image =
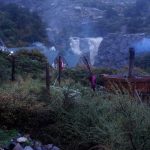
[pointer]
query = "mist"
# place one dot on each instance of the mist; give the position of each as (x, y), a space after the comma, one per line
(143, 45)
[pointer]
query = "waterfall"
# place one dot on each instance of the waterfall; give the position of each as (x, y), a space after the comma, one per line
(75, 45)
(94, 44)
(81, 46)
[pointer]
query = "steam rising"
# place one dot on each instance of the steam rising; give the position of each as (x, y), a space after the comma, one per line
(143, 45)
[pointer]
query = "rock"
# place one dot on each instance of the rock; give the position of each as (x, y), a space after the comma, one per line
(37, 145)
(11, 145)
(113, 51)
(22, 140)
(51, 147)
(18, 147)
(38, 148)
(28, 148)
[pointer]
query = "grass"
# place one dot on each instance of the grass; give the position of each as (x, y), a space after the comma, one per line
(6, 136)
(75, 121)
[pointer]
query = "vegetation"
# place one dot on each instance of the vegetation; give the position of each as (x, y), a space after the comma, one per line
(6, 136)
(143, 61)
(72, 116)
(78, 122)
(20, 27)
(4, 66)
(27, 63)
(131, 18)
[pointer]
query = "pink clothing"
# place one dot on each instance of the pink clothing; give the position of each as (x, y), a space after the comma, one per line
(61, 64)
(92, 80)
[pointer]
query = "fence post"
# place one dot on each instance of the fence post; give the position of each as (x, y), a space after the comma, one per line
(47, 78)
(13, 68)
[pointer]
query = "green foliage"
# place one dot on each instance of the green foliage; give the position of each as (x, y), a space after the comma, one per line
(101, 119)
(134, 17)
(4, 66)
(81, 74)
(6, 136)
(20, 27)
(30, 62)
(27, 63)
(143, 61)
(138, 17)
(20, 106)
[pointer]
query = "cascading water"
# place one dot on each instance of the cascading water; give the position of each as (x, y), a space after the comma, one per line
(94, 44)
(75, 45)
(81, 46)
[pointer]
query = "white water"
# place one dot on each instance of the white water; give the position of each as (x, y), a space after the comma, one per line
(94, 44)
(79, 46)
(75, 45)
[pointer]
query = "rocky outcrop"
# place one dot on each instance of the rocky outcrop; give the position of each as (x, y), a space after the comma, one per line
(26, 143)
(84, 47)
(67, 18)
(113, 51)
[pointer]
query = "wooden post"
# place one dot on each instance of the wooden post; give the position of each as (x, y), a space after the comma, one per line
(13, 68)
(59, 69)
(92, 77)
(47, 78)
(131, 62)
(88, 65)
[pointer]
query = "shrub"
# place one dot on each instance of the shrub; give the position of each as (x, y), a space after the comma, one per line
(115, 122)
(6, 136)
(19, 26)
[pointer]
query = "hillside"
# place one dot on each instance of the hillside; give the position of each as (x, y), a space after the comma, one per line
(71, 115)
(83, 18)
(20, 27)
(67, 81)
(76, 26)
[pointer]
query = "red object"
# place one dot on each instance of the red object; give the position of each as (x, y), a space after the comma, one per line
(60, 63)
(92, 80)
(60, 67)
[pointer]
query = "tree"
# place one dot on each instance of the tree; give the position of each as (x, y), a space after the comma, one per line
(20, 27)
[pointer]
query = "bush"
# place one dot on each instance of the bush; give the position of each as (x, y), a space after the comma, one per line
(93, 119)
(20, 27)
(20, 107)
(5, 66)
(6, 136)
(143, 61)
(26, 63)
(30, 62)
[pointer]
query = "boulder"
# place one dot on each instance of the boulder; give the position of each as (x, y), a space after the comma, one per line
(22, 139)
(37, 145)
(51, 147)
(18, 147)
(11, 145)
(28, 148)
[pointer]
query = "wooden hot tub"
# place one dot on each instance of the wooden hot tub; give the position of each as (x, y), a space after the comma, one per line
(140, 85)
